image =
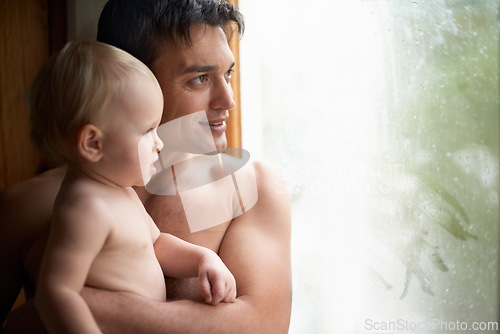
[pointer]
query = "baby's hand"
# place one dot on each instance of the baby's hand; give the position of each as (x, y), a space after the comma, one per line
(216, 281)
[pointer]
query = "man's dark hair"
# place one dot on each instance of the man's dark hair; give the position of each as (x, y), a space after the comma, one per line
(141, 27)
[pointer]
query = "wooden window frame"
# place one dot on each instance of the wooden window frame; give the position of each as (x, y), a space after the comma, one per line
(233, 131)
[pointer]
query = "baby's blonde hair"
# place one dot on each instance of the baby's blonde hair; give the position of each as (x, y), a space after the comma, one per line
(74, 88)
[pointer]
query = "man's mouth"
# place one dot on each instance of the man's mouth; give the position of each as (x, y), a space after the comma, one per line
(217, 125)
(214, 123)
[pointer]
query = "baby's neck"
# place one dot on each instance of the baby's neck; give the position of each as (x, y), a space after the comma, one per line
(79, 173)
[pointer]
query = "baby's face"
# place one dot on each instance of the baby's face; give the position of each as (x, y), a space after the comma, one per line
(131, 142)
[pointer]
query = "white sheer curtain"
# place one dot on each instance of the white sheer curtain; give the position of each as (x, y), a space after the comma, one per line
(384, 118)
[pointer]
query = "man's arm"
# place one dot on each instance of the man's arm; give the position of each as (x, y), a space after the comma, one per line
(256, 249)
(182, 259)
(25, 210)
(11, 249)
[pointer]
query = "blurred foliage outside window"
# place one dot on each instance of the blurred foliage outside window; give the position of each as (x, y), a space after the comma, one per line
(384, 117)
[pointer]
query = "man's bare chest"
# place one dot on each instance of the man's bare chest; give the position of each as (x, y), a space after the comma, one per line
(169, 215)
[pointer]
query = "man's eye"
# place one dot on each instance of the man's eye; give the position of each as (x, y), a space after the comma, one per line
(229, 74)
(201, 79)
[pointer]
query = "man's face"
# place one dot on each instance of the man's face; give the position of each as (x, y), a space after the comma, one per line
(197, 77)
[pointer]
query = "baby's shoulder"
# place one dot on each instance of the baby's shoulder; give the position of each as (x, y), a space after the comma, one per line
(82, 201)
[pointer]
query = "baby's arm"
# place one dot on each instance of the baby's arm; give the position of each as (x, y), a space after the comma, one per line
(181, 259)
(77, 235)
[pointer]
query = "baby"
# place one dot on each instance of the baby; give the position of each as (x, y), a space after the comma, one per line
(96, 109)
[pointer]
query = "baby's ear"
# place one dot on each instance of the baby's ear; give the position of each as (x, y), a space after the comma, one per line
(90, 143)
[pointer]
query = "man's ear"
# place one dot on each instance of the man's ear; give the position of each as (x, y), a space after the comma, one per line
(90, 143)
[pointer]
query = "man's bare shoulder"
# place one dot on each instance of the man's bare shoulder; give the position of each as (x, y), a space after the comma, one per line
(34, 187)
(29, 203)
(269, 177)
(272, 208)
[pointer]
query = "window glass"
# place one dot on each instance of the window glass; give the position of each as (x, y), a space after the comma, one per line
(383, 116)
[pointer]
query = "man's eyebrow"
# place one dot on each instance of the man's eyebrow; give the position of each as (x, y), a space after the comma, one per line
(204, 68)
(200, 69)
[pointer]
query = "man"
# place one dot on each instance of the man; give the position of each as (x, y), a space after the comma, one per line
(185, 43)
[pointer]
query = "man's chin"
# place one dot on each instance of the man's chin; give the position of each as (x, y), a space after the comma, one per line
(221, 149)
(220, 144)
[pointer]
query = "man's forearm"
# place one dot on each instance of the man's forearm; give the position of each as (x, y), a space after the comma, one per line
(118, 312)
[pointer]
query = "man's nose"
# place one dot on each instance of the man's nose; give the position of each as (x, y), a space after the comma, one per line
(222, 96)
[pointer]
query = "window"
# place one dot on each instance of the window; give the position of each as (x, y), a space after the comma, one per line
(384, 118)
